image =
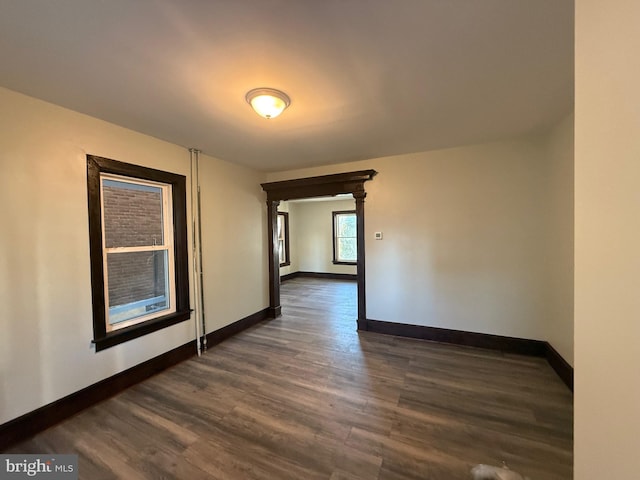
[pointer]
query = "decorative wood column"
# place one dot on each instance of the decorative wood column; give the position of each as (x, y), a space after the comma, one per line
(275, 310)
(359, 197)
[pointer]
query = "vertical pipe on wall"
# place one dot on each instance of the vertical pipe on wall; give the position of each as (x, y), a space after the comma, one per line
(196, 237)
(193, 250)
(203, 343)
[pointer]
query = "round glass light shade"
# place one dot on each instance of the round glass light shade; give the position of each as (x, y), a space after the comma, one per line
(268, 102)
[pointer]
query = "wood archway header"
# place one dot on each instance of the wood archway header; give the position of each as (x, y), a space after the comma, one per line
(322, 186)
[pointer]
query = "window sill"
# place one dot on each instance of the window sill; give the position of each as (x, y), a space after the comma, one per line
(135, 331)
(285, 264)
(335, 262)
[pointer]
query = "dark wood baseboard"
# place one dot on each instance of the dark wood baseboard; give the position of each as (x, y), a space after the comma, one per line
(560, 365)
(234, 328)
(522, 346)
(288, 276)
(44, 417)
(460, 337)
(330, 276)
(31, 423)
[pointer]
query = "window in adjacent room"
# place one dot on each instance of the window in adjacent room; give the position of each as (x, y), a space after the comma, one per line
(137, 230)
(283, 239)
(345, 237)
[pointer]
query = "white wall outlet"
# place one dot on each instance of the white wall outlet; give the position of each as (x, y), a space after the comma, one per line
(378, 235)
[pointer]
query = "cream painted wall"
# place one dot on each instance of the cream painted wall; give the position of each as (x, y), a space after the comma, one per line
(465, 237)
(46, 322)
(559, 259)
(607, 240)
(234, 237)
(312, 236)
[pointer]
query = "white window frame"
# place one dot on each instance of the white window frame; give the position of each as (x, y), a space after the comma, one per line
(168, 235)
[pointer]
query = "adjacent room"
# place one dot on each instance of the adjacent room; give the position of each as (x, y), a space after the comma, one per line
(331, 240)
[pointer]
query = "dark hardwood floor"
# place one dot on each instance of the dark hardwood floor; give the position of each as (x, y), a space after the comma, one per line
(305, 396)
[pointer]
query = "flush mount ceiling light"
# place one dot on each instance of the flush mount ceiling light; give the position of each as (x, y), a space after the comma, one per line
(268, 102)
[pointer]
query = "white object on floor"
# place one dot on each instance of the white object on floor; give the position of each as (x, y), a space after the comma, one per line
(489, 472)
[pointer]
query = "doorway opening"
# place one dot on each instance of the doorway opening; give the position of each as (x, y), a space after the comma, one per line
(311, 187)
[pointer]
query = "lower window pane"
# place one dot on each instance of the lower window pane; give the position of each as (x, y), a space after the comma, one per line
(347, 250)
(137, 284)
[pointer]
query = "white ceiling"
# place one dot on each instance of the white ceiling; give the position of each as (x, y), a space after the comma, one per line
(367, 78)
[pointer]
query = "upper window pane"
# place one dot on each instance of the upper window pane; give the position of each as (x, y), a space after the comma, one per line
(347, 225)
(132, 214)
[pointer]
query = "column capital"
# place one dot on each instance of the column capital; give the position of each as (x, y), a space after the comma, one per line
(359, 196)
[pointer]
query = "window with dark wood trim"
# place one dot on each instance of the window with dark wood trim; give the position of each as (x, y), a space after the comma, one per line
(138, 250)
(283, 239)
(345, 237)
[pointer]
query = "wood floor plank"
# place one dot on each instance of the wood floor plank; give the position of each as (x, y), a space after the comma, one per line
(306, 396)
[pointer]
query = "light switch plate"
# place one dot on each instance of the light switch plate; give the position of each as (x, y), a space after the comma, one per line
(378, 235)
